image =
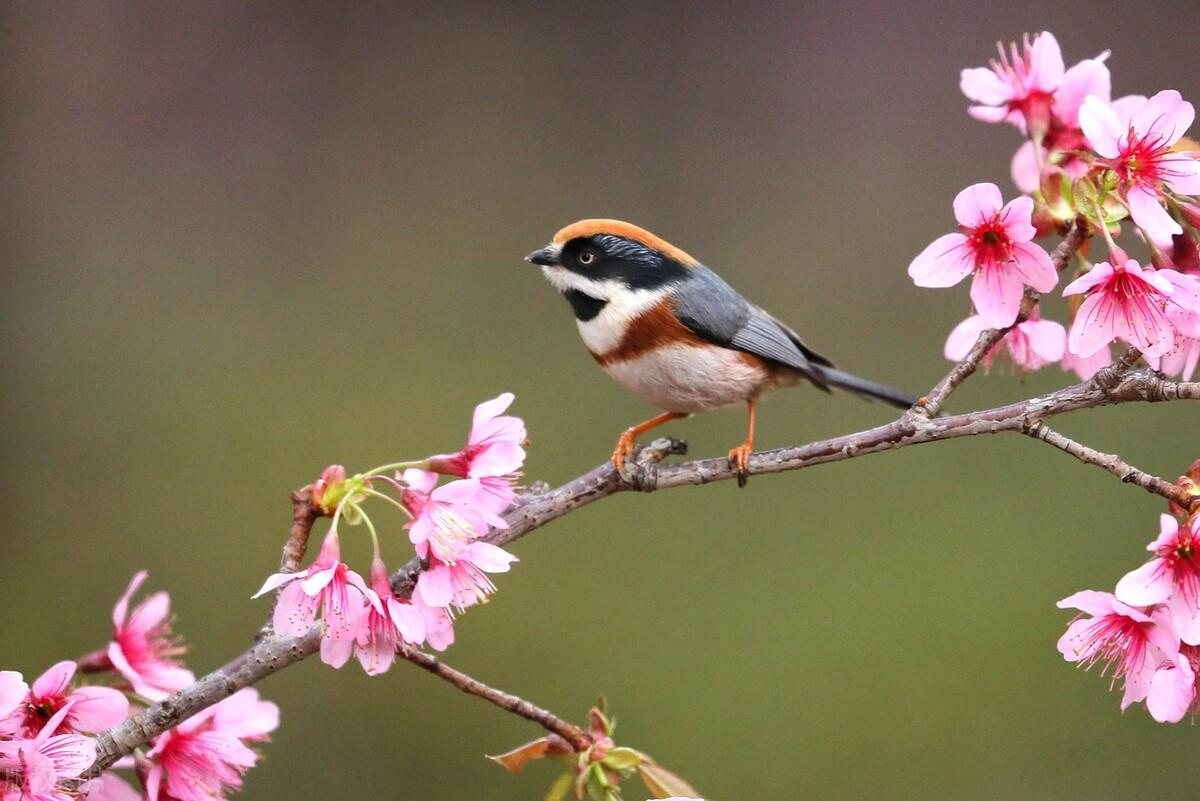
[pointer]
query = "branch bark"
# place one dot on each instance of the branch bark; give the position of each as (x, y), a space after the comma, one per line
(533, 510)
(552, 723)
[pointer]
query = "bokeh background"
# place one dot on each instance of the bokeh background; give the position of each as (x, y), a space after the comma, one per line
(243, 241)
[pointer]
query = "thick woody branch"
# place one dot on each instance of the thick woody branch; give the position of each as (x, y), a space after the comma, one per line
(574, 735)
(534, 510)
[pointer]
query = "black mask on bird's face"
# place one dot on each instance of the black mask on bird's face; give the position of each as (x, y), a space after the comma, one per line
(602, 264)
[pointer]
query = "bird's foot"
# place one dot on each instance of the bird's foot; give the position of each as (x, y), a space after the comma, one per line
(624, 449)
(739, 458)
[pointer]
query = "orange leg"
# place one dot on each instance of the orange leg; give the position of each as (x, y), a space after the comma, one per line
(627, 439)
(739, 457)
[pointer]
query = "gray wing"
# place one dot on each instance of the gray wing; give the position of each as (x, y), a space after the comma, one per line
(716, 313)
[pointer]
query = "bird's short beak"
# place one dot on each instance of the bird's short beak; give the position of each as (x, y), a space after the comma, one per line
(546, 257)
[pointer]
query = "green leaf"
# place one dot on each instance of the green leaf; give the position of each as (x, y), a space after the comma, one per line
(562, 785)
(597, 783)
(661, 782)
(622, 759)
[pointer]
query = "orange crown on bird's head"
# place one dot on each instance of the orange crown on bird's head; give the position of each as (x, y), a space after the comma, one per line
(586, 228)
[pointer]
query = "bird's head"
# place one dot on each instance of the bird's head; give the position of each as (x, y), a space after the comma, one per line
(605, 259)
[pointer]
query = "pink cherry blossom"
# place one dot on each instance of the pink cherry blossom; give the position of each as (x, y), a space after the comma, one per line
(383, 626)
(1130, 643)
(1173, 689)
(495, 446)
(1138, 148)
(143, 650)
(1030, 345)
(93, 709)
(1063, 141)
(463, 582)
(323, 586)
(12, 691)
(1019, 87)
(33, 768)
(995, 243)
(447, 518)
(206, 755)
(1129, 303)
(1172, 577)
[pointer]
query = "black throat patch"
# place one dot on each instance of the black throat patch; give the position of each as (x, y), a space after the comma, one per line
(585, 306)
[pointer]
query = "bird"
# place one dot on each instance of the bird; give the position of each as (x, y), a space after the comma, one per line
(677, 335)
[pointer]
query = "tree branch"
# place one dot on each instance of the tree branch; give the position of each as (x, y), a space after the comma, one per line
(574, 735)
(534, 510)
(1113, 464)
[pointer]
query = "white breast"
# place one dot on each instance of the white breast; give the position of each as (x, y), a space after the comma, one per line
(686, 378)
(603, 332)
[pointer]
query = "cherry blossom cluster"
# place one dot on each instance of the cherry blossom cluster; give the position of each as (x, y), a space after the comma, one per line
(1112, 164)
(446, 524)
(45, 726)
(1146, 633)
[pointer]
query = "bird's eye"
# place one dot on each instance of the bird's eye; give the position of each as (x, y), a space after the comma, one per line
(587, 257)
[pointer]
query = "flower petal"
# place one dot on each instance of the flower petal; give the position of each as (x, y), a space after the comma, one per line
(1172, 691)
(977, 203)
(435, 586)
(1046, 63)
(492, 408)
(122, 604)
(336, 653)
(963, 337)
(944, 262)
(489, 558)
(295, 611)
(1088, 77)
(1099, 274)
(1102, 127)
(1149, 584)
(984, 86)
(1093, 327)
(1035, 266)
(278, 580)
(97, 708)
(1147, 211)
(1024, 168)
(12, 690)
(996, 293)
(1166, 114)
(1047, 339)
(989, 113)
(54, 682)
(408, 621)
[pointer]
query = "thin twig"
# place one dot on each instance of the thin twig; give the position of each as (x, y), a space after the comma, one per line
(1113, 464)
(552, 723)
(304, 514)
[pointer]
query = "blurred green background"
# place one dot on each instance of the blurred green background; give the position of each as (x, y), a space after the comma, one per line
(243, 241)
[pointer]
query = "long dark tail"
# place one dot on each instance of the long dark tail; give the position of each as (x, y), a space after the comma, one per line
(861, 386)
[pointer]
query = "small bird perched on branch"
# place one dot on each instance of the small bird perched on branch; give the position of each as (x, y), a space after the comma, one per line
(673, 332)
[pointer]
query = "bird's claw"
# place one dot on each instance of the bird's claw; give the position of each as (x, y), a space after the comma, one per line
(624, 449)
(739, 459)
